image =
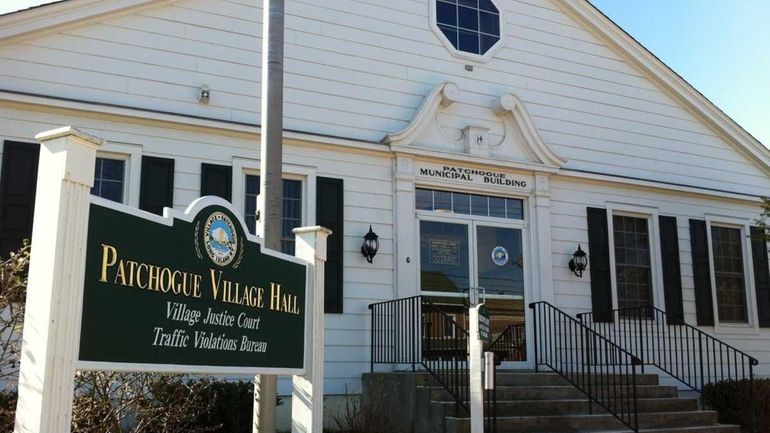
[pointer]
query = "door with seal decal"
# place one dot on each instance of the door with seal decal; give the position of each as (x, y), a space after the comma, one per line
(500, 272)
(468, 240)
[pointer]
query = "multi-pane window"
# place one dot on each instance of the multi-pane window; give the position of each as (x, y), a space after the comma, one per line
(109, 176)
(292, 209)
(472, 26)
(726, 246)
(469, 204)
(632, 262)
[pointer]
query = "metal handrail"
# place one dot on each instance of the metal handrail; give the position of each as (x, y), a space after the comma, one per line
(414, 331)
(511, 344)
(678, 349)
(608, 376)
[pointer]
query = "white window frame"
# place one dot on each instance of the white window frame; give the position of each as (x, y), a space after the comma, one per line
(656, 263)
(752, 325)
(132, 155)
(305, 174)
(471, 221)
(480, 58)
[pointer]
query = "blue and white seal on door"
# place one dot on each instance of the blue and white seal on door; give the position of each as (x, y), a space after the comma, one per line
(500, 256)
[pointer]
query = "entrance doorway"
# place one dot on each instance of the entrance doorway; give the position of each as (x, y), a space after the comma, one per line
(463, 250)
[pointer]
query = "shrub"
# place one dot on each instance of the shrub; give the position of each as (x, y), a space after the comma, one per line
(7, 410)
(732, 398)
(232, 406)
(113, 402)
(367, 415)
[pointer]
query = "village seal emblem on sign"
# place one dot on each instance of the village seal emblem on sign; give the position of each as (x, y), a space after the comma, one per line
(220, 239)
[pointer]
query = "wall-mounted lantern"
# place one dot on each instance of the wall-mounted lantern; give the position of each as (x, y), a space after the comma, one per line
(579, 262)
(370, 246)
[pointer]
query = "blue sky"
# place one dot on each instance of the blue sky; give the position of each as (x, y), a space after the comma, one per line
(721, 47)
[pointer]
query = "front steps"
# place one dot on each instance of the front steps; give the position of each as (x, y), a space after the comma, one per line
(535, 403)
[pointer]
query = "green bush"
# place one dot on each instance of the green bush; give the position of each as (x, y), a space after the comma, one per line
(732, 398)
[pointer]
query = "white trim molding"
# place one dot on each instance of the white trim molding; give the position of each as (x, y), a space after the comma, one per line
(442, 96)
(508, 109)
(653, 236)
(132, 155)
(58, 16)
(752, 323)
(306, 174)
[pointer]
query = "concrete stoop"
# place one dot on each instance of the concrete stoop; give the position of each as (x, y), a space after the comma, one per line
(533, 403)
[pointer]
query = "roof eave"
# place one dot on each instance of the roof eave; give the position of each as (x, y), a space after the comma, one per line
(55, 17)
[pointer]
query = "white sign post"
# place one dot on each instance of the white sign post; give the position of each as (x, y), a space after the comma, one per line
(307, 390)
(56, 276)
(475, 363)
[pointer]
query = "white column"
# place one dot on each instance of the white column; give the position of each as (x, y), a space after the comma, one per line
(56, 276)
(475, 362)
(543, 239)
(307, 390)
(407, 282)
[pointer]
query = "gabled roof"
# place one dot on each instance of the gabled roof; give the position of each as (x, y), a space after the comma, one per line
(55, 17)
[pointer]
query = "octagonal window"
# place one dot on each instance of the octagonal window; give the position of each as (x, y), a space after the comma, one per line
(471, 26)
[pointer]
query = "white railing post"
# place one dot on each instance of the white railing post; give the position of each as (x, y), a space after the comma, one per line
(307, 390)
(56, 275)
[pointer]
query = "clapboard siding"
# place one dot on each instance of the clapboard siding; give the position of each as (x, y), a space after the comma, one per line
(569, 201)
(368, 200)
(360, 68)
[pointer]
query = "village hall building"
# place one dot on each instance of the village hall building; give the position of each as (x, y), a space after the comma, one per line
(485, 142)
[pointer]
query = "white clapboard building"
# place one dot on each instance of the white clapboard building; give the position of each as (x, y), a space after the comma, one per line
(484, 141)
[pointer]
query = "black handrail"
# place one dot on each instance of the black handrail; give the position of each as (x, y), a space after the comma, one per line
(608, 379)
(445, 353)
(680, 350)
(511, 344)
(414, 331)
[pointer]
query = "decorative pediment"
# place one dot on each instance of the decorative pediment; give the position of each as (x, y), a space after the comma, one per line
(503, 130)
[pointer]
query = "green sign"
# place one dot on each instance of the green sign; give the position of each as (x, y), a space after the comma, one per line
(190, 292)
(484, 333)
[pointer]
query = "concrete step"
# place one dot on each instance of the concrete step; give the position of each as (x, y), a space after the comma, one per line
(589, 423)
(507, 377)
(721, 428)
(576, 406)
(558, 392)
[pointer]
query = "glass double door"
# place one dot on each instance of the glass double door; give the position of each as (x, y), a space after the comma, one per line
(458, 255)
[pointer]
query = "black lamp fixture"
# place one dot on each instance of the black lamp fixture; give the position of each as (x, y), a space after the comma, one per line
(579, 262)
(370, 245)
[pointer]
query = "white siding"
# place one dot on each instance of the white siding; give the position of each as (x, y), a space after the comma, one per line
(360, 68)
(569, 227)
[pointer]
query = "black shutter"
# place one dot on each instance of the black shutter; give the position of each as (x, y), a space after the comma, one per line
(157, 184)
(761, 275)
(704, 304)
(329, 214)
(18, 184)
(599, 264)
(672, 276)
(217, 180)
